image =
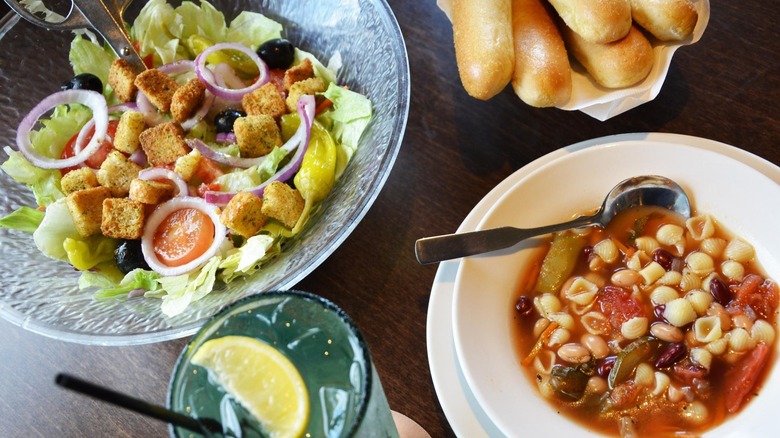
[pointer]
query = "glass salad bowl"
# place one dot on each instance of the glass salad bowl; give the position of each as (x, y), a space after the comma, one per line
(42, 295)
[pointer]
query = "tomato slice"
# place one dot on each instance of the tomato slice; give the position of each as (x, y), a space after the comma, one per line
(208, 170)
(743, 376)
(183, 236)
(619, 305)
(98, 157)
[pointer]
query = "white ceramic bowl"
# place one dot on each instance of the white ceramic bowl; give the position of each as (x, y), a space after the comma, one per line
(41, 294)
(742, 199)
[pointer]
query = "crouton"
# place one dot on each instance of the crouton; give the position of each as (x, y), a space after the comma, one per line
(298, 89)
(78, 179)
(121, 78)
(164, 143)
(86, 209)
(157, 87)
(130, 126)
(243, 214)
(282, 203)
(187, 99)
(265, 100)
(116, 173)
(187, 165)
(123, 218)
(150, 192)
(300, 72)
(256, 135)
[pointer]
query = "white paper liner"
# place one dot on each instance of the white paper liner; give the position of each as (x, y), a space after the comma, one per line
(603, 103)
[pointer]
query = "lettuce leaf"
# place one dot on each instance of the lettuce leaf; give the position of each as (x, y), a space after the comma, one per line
(254, 176)
(252, 29)
(156, 29)
(56, 226)
(45, 183)
(203, 20)
(246, 259)
(135, 279)
(87, 56)
(188, 288)
(24, 219)
(346, 122)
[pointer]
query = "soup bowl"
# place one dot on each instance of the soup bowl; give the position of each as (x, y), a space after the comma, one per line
(487, 287)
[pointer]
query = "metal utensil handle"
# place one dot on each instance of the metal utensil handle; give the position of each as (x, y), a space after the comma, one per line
(107, 20)
(452, 246)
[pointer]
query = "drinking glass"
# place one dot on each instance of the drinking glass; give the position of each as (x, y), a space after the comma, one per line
(322, 341)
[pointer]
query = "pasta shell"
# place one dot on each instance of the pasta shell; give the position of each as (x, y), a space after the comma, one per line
(700, 227)
(663, 294)
(581, 291)
(644, 375)
(607, 250)
(595, 323)
(740, 340)
(702, 357)
(634, 327)
(695, 412)
(559, 337)
(689, 281)
(718, 346)
(563, 319)
(732, 270)
(762, 331)
(670, 278)
(547, 303)
(646, 243)
(679, 312)
(544, 361)
(739, 251)
(707, 329)
(700, 263)
(661, 383)
(700, 300)
(713, 246)
(669, 234)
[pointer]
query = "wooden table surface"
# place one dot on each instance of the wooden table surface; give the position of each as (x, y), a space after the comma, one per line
(456, 149)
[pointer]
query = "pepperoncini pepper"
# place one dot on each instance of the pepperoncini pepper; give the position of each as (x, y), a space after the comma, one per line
(88, 253)
(240, 62)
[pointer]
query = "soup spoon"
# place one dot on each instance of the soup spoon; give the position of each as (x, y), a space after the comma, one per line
(650, 190)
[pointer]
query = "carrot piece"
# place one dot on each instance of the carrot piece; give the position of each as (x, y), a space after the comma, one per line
(543, 338)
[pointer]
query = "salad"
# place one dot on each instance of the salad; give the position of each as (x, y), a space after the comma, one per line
(196, 171)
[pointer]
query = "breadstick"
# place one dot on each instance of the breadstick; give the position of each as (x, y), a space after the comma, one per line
(542, 73)
(613, 65)
(482, 30)
(597, 21)
(667, 20)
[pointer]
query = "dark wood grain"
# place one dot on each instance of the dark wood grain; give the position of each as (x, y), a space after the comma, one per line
(455, 150)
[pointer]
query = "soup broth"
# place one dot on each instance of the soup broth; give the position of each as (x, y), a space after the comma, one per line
(653, 326)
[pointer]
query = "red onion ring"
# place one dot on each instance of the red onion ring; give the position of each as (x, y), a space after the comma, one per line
(306, 109)
(158, 216)
(151, 115)
(92, 99)
(226, 137)
(154, 173)
(223, 92)
(225, 76)
(177, 67)
(139, 157)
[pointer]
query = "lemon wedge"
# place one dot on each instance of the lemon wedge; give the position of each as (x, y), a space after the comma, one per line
(261, 379)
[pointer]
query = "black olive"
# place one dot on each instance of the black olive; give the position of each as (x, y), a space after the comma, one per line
(84, 81)
(278, 53)
(128, 256)
(225, 119)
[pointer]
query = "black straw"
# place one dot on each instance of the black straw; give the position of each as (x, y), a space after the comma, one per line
(206, 426)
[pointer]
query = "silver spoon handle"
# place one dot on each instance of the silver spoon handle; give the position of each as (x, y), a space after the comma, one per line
(452, 246)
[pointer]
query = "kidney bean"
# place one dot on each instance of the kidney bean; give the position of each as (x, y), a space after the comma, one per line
(658, 311)
(605, 366)
(524, 305)
(672, 354)
(720, 291)
(663, 258)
